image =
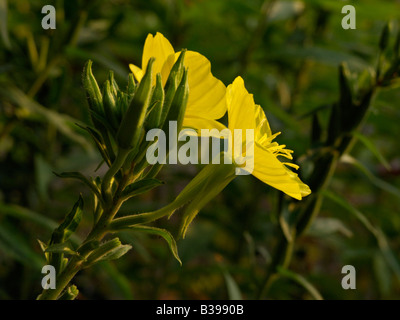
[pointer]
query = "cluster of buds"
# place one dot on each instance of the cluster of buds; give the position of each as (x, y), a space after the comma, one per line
(122, 118)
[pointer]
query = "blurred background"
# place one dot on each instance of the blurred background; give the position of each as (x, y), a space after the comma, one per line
(288, 53)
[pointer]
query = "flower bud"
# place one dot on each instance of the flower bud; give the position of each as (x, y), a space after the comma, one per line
(157, 101)
(132, 122)
(92, 89)
(110, 105)
(113, 84)
(130, 89)
(171, 85)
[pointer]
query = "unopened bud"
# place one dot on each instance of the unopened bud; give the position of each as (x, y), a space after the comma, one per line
(132, 122)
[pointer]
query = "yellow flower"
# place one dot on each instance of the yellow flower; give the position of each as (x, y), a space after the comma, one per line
(207, 94)
(243, 114)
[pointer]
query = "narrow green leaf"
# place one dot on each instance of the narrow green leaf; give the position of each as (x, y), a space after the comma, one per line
(24, 214)
(64, 123)
(82, 178)
(301, 281)
(232, 287)
(375, 180)
(163, 233)
(13, 244)
(65, 247)
(101, 146)
(380, 237)
(322, 227)
(70, 223)
(110, 250)
(140, 187)
(370, 145)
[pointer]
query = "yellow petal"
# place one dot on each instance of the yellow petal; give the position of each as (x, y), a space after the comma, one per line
(202, 123)
(241, 107)
(271, 171)
(137, 72)
(262, 123)
(206, 93)
(158, 47)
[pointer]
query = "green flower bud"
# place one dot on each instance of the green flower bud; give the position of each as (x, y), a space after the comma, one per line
(110, 105)
(113, 83)
(157, 101)
(178, 105)
(131, 87)
(92, 89)
(171, 85)
(130, 129)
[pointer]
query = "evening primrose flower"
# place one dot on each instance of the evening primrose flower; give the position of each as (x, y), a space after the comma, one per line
(206, 101)
(244, 114)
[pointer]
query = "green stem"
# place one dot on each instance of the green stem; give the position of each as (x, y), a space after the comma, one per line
(62, 281)
(106, 186)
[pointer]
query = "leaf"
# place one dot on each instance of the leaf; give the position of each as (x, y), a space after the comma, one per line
(65, 247)
(43, 176)
(140, 187)
(380, 237)
(12, 243)
(375, 180)
(371, 146)
(301, 281)
(323, 227)
(61, 122)
(98, 140)
(25, 214)
(284, 222)
(232, 287)
(283, 10)
(117, 280)
(70, 223)
(163, 233)
(70, 293)
(109, 250)
(81, 177)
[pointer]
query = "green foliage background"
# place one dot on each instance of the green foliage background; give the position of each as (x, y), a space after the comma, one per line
(289, 57)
